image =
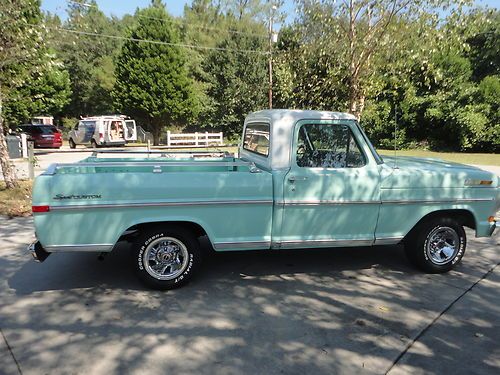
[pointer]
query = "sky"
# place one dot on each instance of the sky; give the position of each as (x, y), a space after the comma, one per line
(175, 7)
(121, 7)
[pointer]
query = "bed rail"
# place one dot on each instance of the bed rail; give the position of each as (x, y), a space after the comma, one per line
(156, 165)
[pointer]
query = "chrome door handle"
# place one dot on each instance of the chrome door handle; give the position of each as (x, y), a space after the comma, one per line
(294, 178)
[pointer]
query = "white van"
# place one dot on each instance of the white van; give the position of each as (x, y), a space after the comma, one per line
(103, 131)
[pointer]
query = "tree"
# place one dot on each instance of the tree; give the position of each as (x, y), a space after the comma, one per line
(84, 45)
(305, 75)
(45, 91)
(484, 52)
(354, 37)
(20, 39)
(237, 81)
(443, 82)
(152, 81)
(233, 73)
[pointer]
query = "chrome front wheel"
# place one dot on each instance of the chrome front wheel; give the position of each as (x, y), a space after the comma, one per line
(442, 245)
(436, 245)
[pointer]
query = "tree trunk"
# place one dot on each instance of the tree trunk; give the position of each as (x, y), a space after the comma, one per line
(156, 125)
(9, 173)
(356, 98)
(356, 103)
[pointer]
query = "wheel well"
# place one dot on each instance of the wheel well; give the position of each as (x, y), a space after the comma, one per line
(464, 217)
(194, 228)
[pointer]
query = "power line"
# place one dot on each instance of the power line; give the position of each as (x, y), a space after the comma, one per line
(179, 22)
(158, 41)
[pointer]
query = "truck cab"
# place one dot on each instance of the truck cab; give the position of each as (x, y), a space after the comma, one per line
(326, 177)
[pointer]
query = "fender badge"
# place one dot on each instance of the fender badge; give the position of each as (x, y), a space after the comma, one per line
(81, 196)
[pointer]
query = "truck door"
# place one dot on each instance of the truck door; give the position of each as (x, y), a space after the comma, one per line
(331, 193)
(130, 130)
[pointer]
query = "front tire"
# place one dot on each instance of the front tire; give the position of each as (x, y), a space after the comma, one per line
(72, 143)
(166, 258)
(436, 245)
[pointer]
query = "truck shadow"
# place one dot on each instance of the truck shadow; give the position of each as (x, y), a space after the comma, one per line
(65, 271)
(325, 311)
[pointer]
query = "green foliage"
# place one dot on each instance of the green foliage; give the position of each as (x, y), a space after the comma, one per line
(237, 82)
(440, 75)
(483, 44)
(88, 58)
(152, 81)
(33, 81)
(441, 102)
(45, 92)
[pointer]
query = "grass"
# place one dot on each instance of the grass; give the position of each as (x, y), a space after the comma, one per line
(457, 157)
(16, 202)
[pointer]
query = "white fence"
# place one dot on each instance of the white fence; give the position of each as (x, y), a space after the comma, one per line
(194, 139)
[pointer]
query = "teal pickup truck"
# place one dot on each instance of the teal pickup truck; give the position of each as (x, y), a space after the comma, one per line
(303, 179)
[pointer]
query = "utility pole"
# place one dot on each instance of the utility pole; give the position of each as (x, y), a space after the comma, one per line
(271, 38)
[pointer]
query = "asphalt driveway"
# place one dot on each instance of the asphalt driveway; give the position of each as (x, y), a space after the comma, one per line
(334, 311)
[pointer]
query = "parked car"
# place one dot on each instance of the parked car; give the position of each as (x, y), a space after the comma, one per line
(103, 131)
(43, 136)
(304, 179)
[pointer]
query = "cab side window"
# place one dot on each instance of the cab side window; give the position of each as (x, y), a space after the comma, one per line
(328, 146)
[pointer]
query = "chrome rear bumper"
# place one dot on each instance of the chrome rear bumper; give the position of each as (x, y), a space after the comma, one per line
(495, 224)
(38, 252)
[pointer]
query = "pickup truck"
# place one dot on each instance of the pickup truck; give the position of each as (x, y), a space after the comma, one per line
(303, 179)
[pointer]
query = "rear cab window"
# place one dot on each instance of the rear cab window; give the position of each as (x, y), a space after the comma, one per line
(256, 139)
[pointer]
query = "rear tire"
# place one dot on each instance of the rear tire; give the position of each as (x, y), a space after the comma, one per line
(436, 245)
(166, 257)
(72, 143)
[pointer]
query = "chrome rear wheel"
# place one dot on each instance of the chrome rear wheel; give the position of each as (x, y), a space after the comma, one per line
(165, 258)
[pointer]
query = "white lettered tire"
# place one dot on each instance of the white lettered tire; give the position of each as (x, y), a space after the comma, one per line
(166, 257)
(437, 245)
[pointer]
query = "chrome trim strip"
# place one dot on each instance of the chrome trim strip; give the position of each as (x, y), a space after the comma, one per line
(451, 200)
(159, 204)
(104, 248)
(322, 202)
(388, 240)
(324, 243)
(399, 201)
(242, 245)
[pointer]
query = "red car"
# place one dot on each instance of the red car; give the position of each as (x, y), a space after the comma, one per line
(43, 136)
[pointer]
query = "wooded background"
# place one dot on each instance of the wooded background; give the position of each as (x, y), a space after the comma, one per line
(432, 64)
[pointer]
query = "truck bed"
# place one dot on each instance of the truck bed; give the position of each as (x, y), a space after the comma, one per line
(101, 198)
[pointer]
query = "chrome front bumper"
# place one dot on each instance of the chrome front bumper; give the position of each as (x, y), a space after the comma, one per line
(38, 252)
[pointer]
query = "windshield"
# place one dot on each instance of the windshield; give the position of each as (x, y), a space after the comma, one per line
(376, 155)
